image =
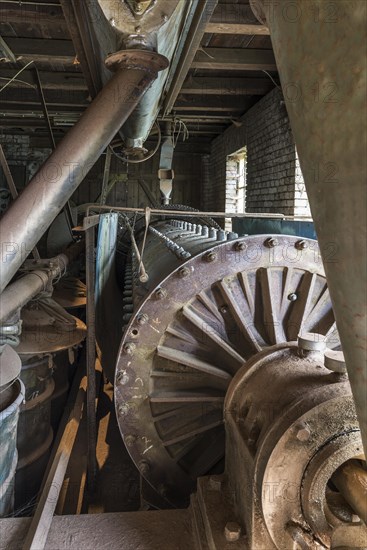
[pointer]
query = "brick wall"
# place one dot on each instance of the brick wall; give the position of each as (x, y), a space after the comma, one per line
(271, 159)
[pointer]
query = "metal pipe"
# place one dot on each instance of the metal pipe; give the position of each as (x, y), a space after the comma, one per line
(188, 213)
(351, 480)
(321, 61)
(31, 214)
(19, 293)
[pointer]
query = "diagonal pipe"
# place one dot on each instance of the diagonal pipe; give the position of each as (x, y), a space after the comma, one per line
(320, 54)
(31, 214)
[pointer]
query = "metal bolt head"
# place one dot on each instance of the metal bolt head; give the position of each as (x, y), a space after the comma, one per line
(232, 531)
(113, 22)
(129, 348)
(138, 29)
(271, 242)
(160, 293)
(184, 272)
(164, 18)
(129, 440)
(122, 378)
(142, 319)
(301, 245)
(210, 257)
(292, 297)
(303, 434)
(144, 467)
(124, 409)
(240, 246)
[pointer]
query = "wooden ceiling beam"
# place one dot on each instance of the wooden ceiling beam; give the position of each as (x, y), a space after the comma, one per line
(234, 59)
(32, 14)
(226, 86)
(215, 104)
(231, 18)
(57, 80)
(40, 46)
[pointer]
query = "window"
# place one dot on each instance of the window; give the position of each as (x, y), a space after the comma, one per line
(301, 203)
(235, 185)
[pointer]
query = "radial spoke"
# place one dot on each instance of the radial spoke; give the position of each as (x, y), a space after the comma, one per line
(210, 305)
(248, 293)
(193, 433)
(243, 324)
(181, 334)
(271, 296)
(318, 313)
(189, 360)
(301, 306)
(209, 332)
(186, 397)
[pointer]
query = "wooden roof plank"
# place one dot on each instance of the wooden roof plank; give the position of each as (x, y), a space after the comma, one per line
(236, 28)
(234, 59)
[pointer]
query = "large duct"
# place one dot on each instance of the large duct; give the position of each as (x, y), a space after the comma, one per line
(320, 50)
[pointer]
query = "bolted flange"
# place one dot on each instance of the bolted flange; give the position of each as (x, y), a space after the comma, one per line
(145, 60)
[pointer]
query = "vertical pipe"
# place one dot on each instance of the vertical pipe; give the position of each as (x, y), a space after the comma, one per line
(320, 53)
(31, 214)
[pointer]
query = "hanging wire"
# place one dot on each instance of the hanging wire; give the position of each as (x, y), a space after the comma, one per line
(17, 80)
(271, 78)
(15, 76)
(179, 127)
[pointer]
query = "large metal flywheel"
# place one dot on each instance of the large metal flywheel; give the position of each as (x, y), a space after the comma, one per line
(193, 332)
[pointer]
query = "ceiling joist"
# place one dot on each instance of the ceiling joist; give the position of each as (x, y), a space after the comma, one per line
(234, 59)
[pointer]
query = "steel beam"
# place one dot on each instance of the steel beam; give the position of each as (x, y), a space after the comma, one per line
(31, 214)
(320, 54)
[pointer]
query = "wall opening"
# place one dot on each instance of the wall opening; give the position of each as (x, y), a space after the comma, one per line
(235, 184)
(301, 202)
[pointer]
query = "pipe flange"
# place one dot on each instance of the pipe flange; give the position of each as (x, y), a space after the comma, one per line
(144, 60)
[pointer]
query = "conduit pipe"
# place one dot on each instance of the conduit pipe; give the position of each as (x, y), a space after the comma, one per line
(31, 214)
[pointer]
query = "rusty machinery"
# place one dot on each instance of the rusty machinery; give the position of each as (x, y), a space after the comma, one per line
(210, 350)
